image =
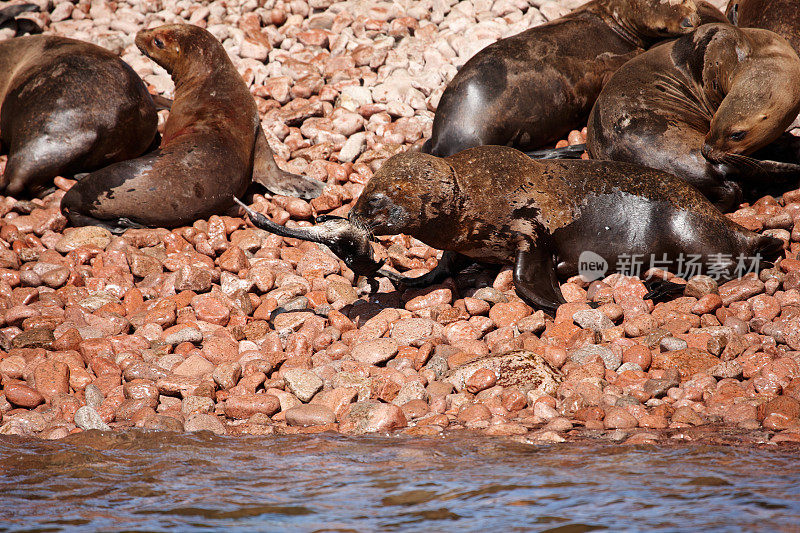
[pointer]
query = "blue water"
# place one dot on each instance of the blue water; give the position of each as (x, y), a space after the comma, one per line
(160, 481)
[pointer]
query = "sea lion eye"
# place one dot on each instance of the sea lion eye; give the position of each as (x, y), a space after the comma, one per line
(737, 136)
(158, 43)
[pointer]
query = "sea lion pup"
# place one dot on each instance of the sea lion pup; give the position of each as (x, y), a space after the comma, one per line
(544, 217)
(67, 107)
(213, 146)
(532, 88)
(700, 106)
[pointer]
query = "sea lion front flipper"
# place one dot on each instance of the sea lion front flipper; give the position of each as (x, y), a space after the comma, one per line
(535, 279)
(267, 173)
(451, 263)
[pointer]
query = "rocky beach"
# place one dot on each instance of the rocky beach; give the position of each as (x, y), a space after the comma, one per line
(223, 327)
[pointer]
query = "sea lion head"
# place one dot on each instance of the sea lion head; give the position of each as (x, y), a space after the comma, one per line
(657, 18)
(173, 45)
(762, 100)
(411, 191)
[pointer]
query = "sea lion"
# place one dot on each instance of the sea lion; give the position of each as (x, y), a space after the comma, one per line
(546, 218)
(780, 16)
(213, 145)
(67, 107)
(700, 106)
(532, 88)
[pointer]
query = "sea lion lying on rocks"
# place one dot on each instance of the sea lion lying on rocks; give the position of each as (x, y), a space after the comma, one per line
(701, 107)
(532, 88)
(213, 146)
(68, 107)
(545, 218)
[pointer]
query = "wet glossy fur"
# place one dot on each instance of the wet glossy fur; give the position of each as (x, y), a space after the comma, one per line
(543, 216)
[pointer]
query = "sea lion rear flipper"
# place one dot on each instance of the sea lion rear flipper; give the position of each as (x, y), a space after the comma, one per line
(9, 14)
(660, 289)
(535, 279)
(567, 152)
(267, 173)
(451, 263)
(27, 26)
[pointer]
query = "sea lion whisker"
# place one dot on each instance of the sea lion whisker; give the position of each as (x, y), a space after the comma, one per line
(742, 160)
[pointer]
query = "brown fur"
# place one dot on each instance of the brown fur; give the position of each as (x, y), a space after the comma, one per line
(67, 107)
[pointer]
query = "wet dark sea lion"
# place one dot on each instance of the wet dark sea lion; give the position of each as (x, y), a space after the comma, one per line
(532, 88)
(213, 145)
(546, 219)
(700, 106)
(780, 16)
(67, 107)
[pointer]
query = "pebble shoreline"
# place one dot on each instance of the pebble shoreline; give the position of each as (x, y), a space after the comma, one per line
(177, 330)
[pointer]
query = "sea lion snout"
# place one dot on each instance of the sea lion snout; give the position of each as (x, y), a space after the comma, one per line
(711, 153)
(690, 22)
(348, 238)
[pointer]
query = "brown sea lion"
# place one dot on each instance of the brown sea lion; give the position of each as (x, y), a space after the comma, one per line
(67, 107)
(213, 146)
(700, 106)
(532, 88)
(549, 219)
(780, 16)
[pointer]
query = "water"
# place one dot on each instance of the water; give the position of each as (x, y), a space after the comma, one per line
(158, 481)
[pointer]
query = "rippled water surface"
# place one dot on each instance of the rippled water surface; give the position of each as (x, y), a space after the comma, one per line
(153, 481)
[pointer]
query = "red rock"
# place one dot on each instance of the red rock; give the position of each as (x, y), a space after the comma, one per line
(784, 406)
(738, 413)
(375, 351)
(686, 415)
(688, 361)
(619, 418)
(430, 299)
(141, 389)
(415, 409)
(740, 289)
(210, 309)
(637, 354)
(51, 378)
(506, 314)
(246, 405)
(371, 416)
(22, 395)
(193, 366)
(309, 415)
(481, 379)
(639, 325)
(653, 421)
(473, 413)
